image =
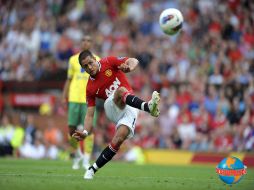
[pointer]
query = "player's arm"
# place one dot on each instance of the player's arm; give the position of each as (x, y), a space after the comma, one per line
(66, 90)
(89, 120)
(129, 65)
(80, 135)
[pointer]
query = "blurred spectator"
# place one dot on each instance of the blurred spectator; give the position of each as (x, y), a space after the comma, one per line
(234, 114)
(34, 151)
(1, 98)
(30, 130)
(211, 100)
(187, 130)
(248, 134)
(52, 135)
(7, 131)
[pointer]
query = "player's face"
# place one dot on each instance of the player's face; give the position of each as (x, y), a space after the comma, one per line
(86, 43)
(90, 65)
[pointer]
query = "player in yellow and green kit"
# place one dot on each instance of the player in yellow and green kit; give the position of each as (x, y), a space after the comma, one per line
(75, 92)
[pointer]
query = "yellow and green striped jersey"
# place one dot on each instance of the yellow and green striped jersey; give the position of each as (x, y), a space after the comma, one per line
(79, 79)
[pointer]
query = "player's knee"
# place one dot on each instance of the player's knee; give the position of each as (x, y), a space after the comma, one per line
(118, 97)
(120, 91)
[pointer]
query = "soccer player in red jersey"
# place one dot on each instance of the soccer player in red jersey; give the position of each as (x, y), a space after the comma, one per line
(108, 81)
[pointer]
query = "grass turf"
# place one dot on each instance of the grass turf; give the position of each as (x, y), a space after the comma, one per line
(53, 175)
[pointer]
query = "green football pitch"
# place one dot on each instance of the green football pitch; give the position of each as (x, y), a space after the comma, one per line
(17, 174)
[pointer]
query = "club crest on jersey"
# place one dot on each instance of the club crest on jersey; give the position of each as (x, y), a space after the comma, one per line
(108, 73)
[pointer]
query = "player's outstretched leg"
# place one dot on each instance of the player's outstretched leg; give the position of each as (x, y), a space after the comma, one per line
(151, 107)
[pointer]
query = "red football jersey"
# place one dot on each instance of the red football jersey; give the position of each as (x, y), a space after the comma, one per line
(107, 80)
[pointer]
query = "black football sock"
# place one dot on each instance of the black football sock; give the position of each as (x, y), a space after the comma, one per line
(107, 154)
(136, 102)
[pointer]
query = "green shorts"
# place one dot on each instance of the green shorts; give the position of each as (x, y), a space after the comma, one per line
(77, 113)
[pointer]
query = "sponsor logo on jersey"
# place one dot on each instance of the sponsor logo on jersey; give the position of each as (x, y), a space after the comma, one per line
(108, 73)
(112, 87)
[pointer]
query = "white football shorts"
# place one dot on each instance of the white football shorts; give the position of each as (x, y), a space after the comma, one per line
(127, 116)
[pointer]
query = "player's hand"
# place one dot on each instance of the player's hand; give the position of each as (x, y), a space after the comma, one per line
(124, 67)
(79, 135)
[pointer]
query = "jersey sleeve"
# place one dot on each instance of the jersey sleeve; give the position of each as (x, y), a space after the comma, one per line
(116, 61)
(70, 71)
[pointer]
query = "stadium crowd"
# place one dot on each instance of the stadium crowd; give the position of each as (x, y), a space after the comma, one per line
(204, 74)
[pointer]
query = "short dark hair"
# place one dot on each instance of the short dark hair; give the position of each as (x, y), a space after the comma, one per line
(83, 55)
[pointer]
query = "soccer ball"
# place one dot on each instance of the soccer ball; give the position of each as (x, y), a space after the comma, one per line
(171, 21)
